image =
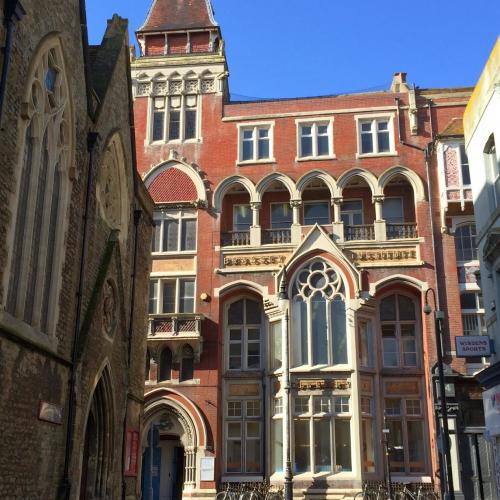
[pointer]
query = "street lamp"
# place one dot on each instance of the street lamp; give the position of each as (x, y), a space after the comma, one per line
(444, 431)
(284, 302)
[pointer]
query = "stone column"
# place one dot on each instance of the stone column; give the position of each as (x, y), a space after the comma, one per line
(296, 228)
(380, 227)
(338, 225)
(189, 468)
(255, 229)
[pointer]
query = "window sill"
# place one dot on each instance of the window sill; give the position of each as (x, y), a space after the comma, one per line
(174, 141)
(376, 155)
(315, 158)
(180, 253)
(255, 162)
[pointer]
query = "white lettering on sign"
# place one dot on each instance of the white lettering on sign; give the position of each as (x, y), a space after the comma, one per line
(470, 346)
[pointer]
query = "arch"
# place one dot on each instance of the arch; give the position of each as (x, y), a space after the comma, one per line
(266, 181)
(224, 186)
(317, 174)
(159, 76)
(369, 177)
(187, 363)
(241, 285)
(184, 167)
(414, 180)
(403, 279)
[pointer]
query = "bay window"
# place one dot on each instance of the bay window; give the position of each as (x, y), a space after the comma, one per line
(319, 316)
(174, 231)
(171, 295)
(243, 436)
(322, 434)
(399, 329)
(244, 318)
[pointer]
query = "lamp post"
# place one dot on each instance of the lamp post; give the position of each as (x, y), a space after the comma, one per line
(444, 431)
(285, 304)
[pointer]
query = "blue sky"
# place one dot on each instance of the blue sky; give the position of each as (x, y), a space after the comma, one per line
(289, 48)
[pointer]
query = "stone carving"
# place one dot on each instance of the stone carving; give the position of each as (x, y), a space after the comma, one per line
(109, 307)
(321, 384)
(191, 86)
(143, 88)
(175, 87)
(254, 260)
(208, 85)
(396, 255)
(159, 88)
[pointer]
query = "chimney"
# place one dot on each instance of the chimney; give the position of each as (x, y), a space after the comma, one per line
(399, 82)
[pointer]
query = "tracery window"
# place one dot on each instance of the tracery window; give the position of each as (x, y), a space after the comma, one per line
(42, 196)
(319, 316)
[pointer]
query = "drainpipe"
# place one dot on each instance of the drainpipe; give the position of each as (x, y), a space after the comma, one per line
(65, 486)
(14, 11)
(137, 218)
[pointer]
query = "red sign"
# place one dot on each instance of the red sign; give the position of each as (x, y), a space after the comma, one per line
(131, 452)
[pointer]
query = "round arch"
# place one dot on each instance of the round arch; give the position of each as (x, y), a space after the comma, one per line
(414, 180)
(183, 167)
(266, 181)
(224, 186)
(317, 174)
(346, 177)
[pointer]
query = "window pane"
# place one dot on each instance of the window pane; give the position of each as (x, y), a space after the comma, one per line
(366, 127)
(299, 325)
(468, 301)
(276, 361)
(234, 355)
(242, 217)
(464, 165)
(316, 213)
(392, 210)
(253, 453)
(186, 300)
(306, 146)
(406, 308)
(281, 215)
(339, 331)
(416, 446)
(322, 445)
(235, 313)
(383, 142)
(253, 409)
(165, 364)
(168, 296)
(170, 235)
(174, 126)
(190, 125)
(395, 439)
(156, 236)
(253, 358)
(319, 330)
(368, 446)
(234, 409)
(302, 451)
(253, 312)
(343, 445)
(391, 355)
(247, 153)
(233, 463)
(323, 148)
(158, 120)
(277, 445)
(263, 145)
(366, 143)
(153, 296)
(388, 308)
(188, 234)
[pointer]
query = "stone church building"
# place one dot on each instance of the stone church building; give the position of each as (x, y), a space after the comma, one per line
(75, 226)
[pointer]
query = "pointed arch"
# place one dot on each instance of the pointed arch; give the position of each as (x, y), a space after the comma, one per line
(369, 177)
(227, 183)
(183, 167)
(266, 181)
(243, 285)
(403, 279)
(413, 178)
(329, 180)
(159, 76)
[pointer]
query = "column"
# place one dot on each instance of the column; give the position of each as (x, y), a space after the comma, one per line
(255, 229)
(379, 224)
(338, 225)
(296, 228)
(189, 468)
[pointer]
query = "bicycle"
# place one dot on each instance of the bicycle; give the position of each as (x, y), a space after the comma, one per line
(228, 493)
(421, 494)
(373, 492)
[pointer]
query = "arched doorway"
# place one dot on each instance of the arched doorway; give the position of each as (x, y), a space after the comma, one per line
(169, 451)
(98, 443)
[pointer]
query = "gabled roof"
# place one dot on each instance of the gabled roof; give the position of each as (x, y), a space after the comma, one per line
(167, 15)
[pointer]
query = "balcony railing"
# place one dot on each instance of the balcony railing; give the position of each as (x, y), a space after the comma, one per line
(276, 236)
(360, 232)
(235, 238)
(172, 325)
(401, 231)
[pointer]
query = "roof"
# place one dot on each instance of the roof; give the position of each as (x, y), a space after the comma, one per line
(167, 15)
(454, 128)
(171, 186)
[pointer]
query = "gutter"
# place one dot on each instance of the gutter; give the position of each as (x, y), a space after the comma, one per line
(14, 11)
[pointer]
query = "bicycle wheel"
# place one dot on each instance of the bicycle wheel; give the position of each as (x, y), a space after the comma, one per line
(274, 495)
(222, 495)
(428, 495)
(400, 495)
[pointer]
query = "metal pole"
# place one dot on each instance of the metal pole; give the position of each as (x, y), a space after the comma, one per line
(286, 413)
(387, 463)
(445, 442)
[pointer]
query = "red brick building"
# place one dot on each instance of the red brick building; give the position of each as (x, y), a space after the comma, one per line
(355, 206)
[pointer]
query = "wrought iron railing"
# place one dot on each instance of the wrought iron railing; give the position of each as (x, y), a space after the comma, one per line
(400, 231)
(359, 232)
(235, 238)
(276, 236)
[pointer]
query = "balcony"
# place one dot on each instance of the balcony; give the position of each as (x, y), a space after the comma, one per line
(235, 238)
(276, 236)
(401, 231)
(361, 232)
(175, 326)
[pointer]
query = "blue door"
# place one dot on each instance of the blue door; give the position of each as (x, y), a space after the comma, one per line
(151, 471)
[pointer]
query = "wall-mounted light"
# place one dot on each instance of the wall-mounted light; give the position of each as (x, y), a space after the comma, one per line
(204, 297)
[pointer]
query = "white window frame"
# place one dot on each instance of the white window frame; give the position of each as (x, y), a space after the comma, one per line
(177, 279)
(375, 118)
(255, 127)
(478, 311)
(314, 123)
(179, 215)
(351, 213)
(166, 118)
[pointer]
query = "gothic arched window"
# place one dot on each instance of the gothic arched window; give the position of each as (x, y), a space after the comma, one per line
(42, 191)
(165, 365)
(319, 316)
(187, 363)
